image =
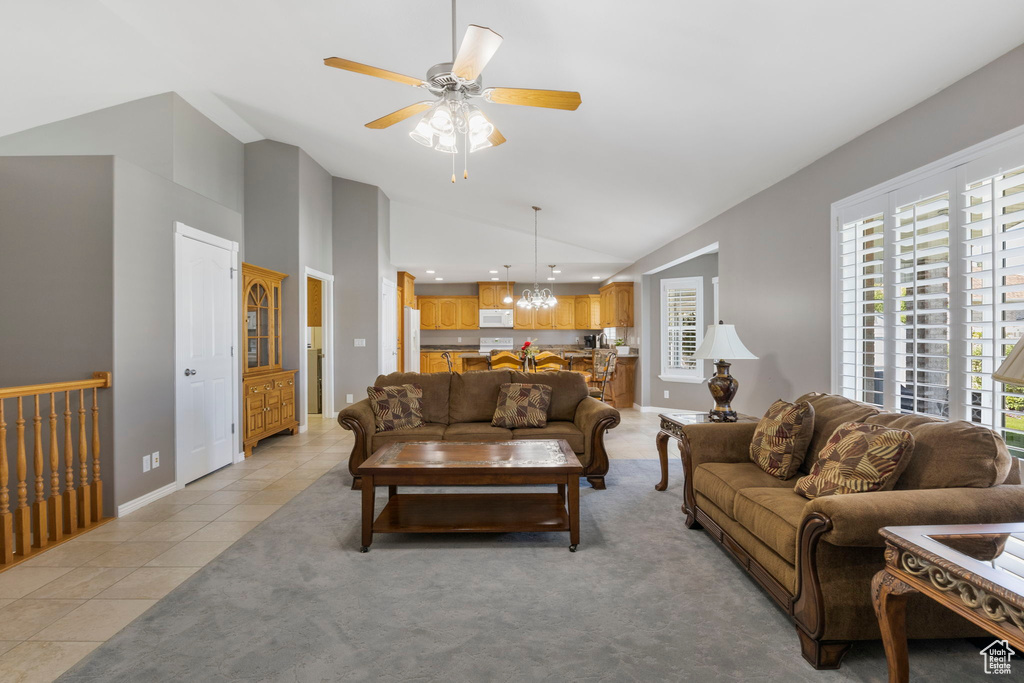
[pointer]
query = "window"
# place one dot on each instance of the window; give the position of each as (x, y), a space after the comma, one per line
(682, 328)
(929, 290)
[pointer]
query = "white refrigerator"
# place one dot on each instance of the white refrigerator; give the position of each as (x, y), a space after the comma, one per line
(411, 342)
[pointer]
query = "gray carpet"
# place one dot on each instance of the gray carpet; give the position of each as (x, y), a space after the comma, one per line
(644, 599)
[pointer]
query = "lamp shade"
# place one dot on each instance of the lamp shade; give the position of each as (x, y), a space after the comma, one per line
(722, 342)
(1012, 369)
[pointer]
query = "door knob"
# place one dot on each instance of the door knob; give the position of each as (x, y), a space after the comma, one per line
(189, 372)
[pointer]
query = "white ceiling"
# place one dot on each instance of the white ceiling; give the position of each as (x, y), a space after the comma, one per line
(688, 107)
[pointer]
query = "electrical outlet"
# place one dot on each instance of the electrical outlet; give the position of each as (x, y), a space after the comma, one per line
(348, 398)
(360, 342)
(666, 393)
(156, 460)
(460, 340)
(145, 463)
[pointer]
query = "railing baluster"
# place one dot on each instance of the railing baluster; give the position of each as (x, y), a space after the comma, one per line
(6, 521)
(84, 507)
(39, 525)
(70, 495)
(97, 485)
(22, 515)
(54, 507)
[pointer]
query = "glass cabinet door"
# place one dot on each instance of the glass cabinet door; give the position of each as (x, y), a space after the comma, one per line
(261, 326)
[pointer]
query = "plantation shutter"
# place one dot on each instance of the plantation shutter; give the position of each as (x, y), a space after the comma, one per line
(682, 326)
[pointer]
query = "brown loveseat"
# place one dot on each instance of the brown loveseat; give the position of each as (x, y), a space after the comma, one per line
(459, 407)
(816, 557)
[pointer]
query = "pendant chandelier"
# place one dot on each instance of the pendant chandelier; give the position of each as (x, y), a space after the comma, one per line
(538, 298)
(508, 288)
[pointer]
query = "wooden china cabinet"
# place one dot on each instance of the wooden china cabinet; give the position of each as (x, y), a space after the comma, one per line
(268, 390)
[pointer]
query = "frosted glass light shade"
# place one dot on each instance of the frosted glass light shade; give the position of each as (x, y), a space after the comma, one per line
(721, 342)
(423, 133)
(1012, 369)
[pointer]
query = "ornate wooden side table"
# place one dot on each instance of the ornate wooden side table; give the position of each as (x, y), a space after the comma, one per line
(973, 569)
(672, 428)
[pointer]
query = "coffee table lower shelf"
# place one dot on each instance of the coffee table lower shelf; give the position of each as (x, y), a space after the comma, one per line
(426, 513)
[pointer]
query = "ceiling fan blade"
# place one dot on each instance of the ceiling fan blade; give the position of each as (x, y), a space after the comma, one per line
(478, 46)
(553, 99)
(400, 115)
(496, 137)
(339, 63)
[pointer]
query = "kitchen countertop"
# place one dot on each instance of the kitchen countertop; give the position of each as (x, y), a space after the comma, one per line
(467, 351)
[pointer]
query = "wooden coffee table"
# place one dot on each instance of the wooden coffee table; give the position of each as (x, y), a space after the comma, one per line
(450, 463)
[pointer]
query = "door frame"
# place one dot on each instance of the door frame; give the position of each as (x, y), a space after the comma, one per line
(183, 232)
(327, 301)
(386, 283)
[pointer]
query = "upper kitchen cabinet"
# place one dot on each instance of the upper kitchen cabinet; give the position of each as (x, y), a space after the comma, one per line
(429, 313)
(617, 304)
(469, 312)
(449, 313)
(587, 311)
(565, 313)
(492, 295)
(523, 318)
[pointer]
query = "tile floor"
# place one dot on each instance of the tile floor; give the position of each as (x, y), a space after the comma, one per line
(56, 608)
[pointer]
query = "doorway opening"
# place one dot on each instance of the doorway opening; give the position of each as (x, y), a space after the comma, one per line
(316, 363)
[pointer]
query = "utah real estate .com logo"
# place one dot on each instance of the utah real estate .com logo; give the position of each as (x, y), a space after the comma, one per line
(997, 657)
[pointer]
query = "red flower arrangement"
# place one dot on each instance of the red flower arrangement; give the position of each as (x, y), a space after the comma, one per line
(527, 351)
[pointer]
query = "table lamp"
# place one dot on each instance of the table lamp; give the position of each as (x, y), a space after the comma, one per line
(1012, 369)
(720, 343)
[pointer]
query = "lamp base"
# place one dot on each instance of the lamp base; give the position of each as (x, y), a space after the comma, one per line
(723, 387)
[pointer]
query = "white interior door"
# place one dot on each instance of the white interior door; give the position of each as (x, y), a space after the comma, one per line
(389, 328)
(205, 324)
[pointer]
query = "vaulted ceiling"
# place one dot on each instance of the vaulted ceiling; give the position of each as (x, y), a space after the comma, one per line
(688, 107)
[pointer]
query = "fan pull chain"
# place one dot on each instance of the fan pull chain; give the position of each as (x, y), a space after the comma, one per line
(453, 167)
(465, 152)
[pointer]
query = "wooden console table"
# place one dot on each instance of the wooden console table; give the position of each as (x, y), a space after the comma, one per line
(973, 569)
(672, 428)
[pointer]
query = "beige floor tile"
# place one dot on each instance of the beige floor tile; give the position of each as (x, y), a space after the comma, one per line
(206, 485)
(22, 580)
(6, 645)
(228, 497)
(271, 497)
(24, 618)
(290, 485)
(184, 497)
(249, 513)
(42, 661)
(189, 554)
(246, 485)
(200, 513)
(303, 474)
(148, 583)
(96, 620)
(223, 531)
(118, 530)
(250, 463)
(297, 449)
(154, 512)
(226, 475)
(130, 554)
(81, 583)
(71, 554)
(173, 531)
(331, 459)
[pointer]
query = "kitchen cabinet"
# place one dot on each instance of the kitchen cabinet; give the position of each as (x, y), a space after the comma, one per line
(565, 313)
(523, 318)
(428, 312)
(617, 305)
(449, 313)
(469, 313)
(406, 297)
(587, 312)
(544, 318)
(619, 392)
(491, 294)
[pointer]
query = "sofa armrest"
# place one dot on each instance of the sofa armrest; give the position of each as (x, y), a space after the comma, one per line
(594, 418)
(719, 441)
(358, 418)
(857, 517)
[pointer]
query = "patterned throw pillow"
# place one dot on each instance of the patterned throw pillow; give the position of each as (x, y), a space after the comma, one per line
(522, 405)
(781, 438)
(396, 407)
(858, 457)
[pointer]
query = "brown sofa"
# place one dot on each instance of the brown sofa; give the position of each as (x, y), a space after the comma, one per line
(816, 557)
(459, 407)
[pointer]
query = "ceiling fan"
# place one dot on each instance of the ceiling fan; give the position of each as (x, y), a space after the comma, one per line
(454, 85)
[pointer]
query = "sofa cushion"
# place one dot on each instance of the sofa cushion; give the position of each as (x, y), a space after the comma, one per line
(859, 458)
(830, 411)
(567, 390)
(435, 391)
(425, 432)
(772, 515)
(719, 481)
(781, 438)
(949, 454)
(476, 431)
(554, 430)
(396, 407)
(474, 395)
(522, 405)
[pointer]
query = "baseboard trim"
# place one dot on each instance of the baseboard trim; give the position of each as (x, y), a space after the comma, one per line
(239, 457)
(142, 501)
(303, 428)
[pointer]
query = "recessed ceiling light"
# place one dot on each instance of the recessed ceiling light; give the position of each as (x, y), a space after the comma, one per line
(595, 277)
(495, 278)
(430, 272)
(438, 278)
(492, 272)
(551, 278)
(556, 271)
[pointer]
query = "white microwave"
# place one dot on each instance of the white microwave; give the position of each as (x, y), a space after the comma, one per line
(495, 317)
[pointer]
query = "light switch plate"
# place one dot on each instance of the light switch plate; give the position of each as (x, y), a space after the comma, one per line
(156, 459)
(666, 393)
(145, 463)
(348, 398)
(360, 342)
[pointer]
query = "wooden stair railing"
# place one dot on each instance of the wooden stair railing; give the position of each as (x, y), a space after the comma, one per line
(63, 514)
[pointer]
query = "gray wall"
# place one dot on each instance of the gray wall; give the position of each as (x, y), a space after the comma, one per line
(146, 206)
(682, 395)
(774, 254)
(56, 272)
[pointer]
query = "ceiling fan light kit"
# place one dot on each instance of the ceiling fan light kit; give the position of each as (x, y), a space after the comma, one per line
(454, 84)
